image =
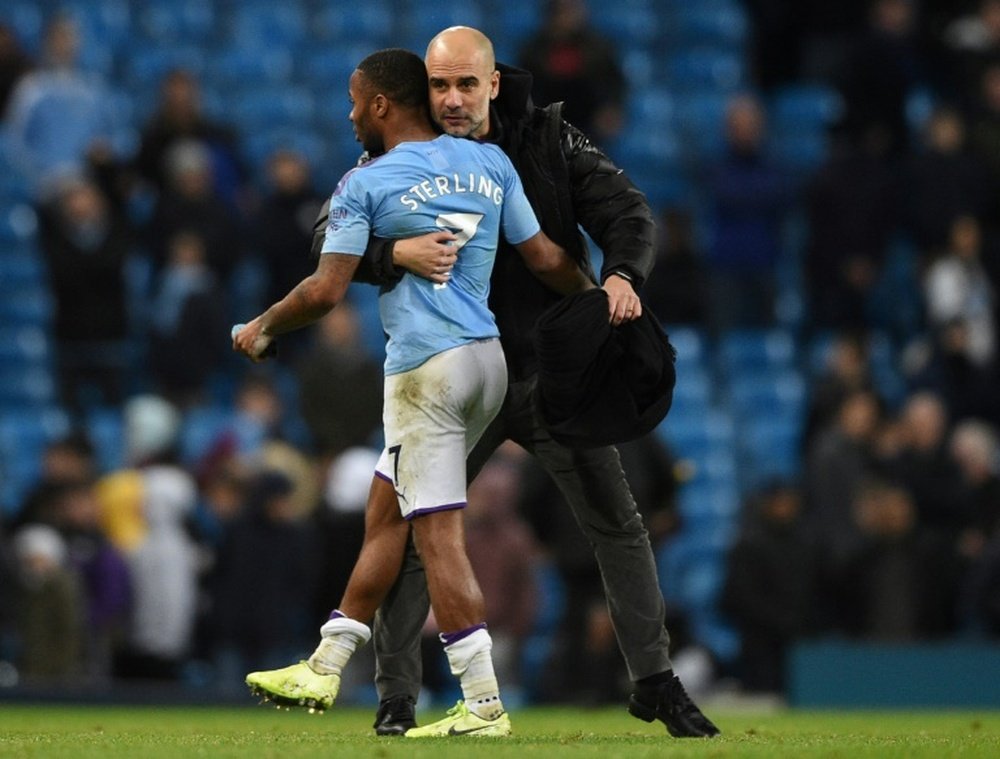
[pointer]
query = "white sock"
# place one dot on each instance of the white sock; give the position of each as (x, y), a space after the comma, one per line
(472, 664)
(341, 637)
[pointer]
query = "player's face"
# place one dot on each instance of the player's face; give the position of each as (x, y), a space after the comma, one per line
(462, 87)
(360, 115)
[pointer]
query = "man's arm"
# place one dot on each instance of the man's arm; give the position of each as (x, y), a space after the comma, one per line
(552, 265)
(308, 301)
(385, 261)
(611, 209)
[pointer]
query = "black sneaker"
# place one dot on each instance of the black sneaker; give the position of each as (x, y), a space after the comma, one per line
(670, 703)
(395, 716)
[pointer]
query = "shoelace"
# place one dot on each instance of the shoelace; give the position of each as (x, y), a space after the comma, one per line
(458, 710)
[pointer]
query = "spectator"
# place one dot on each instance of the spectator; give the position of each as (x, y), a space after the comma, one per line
(86, 241)
(284, 225)
(944, 182)
(179, 119)
(676, 290)
(883, 67)
(48, 613)
(14, 64)
(838, 463)
(264, 582)
(337, 360)
(189, 330)
(571, 61)
(190, 203)
(748, 197)
(925, 469)
(973, 43)
(58, 114)
(976, 451)
(984, 132)
(898, 581)
(851, 210)
(771, 586)
(847, 369)
(74, 510)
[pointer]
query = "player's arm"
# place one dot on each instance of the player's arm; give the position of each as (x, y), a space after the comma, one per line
(308, 301)
(552, 265)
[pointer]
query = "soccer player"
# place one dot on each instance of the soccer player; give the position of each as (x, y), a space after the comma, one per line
(445, 370)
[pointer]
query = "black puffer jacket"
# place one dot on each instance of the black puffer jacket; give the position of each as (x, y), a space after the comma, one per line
(569, 182)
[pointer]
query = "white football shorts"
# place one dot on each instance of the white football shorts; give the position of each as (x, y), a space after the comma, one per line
(433, 416)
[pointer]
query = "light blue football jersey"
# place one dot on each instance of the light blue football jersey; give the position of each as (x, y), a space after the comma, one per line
(469, 188)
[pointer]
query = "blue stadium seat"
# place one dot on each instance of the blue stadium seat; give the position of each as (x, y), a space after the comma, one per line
(712, 500)
(238, 66)
(756, 348)
(26, 19)
(26, 386)
(18, 223)
(27, 308)
(639, 66)
(21, 267)
(256, 108)
(805, 106)
(693, 386)
(423, 20)
(652, 147)
(260, 146)
(207, 426)
(267, 25)
(24, 347)
(770, 448)
(690, 343)
(701, 69)
(105, 429)
(173, 21)
(373, 20)
(24, 433)
(800, 151)
(518, 19)
(721, 23)
(146, 66)
(701, 118)
(628, 21)
(766, 392)
(329, 67)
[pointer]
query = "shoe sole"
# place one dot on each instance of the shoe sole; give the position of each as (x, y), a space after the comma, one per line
(280, 702)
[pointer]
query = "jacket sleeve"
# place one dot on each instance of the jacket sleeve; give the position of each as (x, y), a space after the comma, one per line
(376, 267)
(610, 208)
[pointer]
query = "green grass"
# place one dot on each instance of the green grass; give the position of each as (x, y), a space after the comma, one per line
(63, 731)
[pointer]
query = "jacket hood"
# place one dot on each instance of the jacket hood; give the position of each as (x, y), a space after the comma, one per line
(514, 99)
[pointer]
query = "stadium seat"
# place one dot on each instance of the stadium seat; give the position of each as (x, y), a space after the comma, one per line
(709, 500)
(18, 223)
(24, 347)
(146, 66)
(20, 268)
(267, 25)
(238, 66)
(330, 66)
(756, 348)
(208, 426)
(26, 308)
(26, 19)
(628, 21)
(269, 107)
(756, 392)
(105, 429)
(689, 342)
(810, 107)
(720, 23)
(705, 69)
(174, 21)
(770, 448)
(425, 19)
(24, 433)
(701, 118)
(373, 20)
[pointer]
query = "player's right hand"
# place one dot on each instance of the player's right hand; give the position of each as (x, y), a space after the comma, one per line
(250, 340)
(430, 256)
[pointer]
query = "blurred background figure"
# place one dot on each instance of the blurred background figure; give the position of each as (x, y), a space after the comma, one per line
(772, 586)
(58, 114)
(191, 203)
(188, 322)
(86, 243)
(749, 196)
(263, 583)
(572, 61)
(336, 359)
(180, 118)
(14, 64)
(677, 290)
(48, 609)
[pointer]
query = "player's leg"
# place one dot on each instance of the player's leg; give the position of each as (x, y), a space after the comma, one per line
(400, 619)
(593, 483)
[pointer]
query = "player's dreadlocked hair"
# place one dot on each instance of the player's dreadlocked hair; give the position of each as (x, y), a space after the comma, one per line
(398, 74)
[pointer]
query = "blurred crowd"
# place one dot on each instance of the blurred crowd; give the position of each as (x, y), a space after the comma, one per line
(197, 564)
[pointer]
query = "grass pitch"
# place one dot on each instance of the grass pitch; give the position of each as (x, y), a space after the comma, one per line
(78, 732)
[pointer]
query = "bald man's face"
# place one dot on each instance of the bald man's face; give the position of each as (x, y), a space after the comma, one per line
(462, 81)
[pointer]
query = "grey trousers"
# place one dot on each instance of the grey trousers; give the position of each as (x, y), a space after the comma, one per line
(594, 486)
